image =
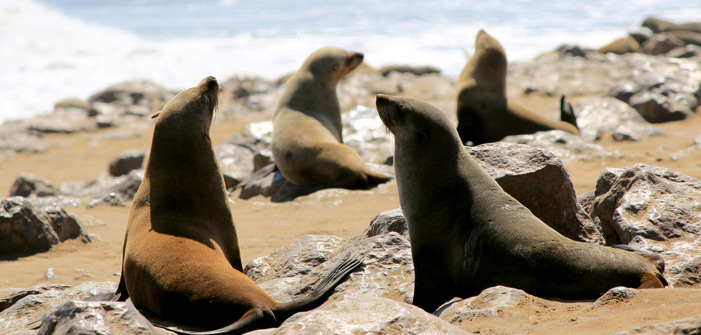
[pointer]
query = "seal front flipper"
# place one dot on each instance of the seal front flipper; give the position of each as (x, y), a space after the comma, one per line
(567, 113)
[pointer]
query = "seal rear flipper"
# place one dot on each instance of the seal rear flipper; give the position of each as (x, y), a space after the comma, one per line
(656, 259)
(322, 291)
(252, 320)
(567, 113)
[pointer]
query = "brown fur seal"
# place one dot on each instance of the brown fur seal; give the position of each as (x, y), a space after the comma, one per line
(485, 114)
(307, 131)
(660, 26)
(181, 254)
(467, 234)
(621, 46)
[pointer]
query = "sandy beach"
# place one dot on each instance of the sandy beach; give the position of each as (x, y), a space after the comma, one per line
(264, 227)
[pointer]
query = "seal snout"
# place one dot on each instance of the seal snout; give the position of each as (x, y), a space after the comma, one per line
(355, 59)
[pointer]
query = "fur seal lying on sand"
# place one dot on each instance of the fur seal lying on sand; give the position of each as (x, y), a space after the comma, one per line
(307, 131)
(485, 114)
(181, 253)
(467, 234)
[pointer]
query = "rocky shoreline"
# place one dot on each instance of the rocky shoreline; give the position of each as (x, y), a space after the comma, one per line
(618, 98)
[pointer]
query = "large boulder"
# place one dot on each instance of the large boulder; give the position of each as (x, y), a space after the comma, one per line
(656, 209)
(539, 181)
(26, 230)
(27, 185)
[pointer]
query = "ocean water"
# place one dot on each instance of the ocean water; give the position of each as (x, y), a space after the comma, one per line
(50, 50)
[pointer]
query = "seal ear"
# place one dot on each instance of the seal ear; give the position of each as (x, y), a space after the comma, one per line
(156, 115)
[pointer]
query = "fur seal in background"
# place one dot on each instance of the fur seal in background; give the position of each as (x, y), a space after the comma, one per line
(661, 26)
(467, 234)
(307, 131)
(181, 253)
(484, 113)
(621, 46)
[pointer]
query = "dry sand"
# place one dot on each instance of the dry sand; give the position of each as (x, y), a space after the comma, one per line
(264, 226)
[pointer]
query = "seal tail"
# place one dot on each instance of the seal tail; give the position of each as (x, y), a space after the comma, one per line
(567, 113)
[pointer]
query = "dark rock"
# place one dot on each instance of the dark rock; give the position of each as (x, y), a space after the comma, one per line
(571, 50)
(262, 159)
(657, 108)
(126, 162)
(27, 185)
(25, 230)
(388, 221)
(659, 44)
(364, 314)
(539, 181)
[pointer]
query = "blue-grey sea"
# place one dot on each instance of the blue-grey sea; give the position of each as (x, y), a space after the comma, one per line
(54, 49)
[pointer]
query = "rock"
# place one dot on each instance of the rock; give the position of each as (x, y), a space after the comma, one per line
(23, 306)
(659, 44)
(124, 186)
(657, 108)
(687, 51)
(388, 221)
(564, 145)
(571, 50)
(262, 159)
(655, 209)
(366, 134)
(609, 115)
(387, 269)
(685, 326)
(98, 318)
(126, 162)
(539, 181)
(489, 303)
(615, 294)
(55, 201)
(27, 185)
(554, 75)
(63, 121)
(26, 230)
(415, 70)
(138, 97)
(294, 259)
(111, 199)
(248, 93)
(50, 274)
(256, 136)
(364, 314)
(236, 163)
(15, 137)
(648, 202)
